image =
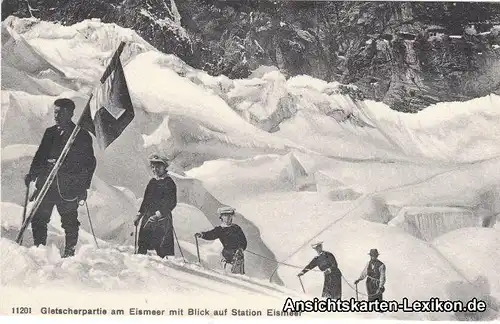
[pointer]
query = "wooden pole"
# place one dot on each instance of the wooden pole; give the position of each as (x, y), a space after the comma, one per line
(65, 150)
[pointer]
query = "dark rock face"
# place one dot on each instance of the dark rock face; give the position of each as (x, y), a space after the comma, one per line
(407, 54)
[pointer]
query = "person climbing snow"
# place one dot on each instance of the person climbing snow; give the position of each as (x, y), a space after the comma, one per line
(72, 180)
(155, 214)
(232, 238)
(375, 274)
(326, 262)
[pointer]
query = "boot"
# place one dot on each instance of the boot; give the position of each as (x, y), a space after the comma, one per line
(68, 252)
(39, 234)
(71, 240)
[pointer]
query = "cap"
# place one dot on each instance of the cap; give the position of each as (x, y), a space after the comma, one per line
(315, 245)
(373, 252)
(226, 210)
(158, 158)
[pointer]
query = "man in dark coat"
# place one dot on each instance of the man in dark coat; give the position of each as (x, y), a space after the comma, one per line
(375, 274)
(326, 262)
(160, 198)
(72, 180)
(232, 238)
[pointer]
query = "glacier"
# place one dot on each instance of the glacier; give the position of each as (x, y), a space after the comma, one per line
(291, 155)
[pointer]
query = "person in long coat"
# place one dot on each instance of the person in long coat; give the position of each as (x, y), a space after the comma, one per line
(155, 214)
(326, 262)
(73, 178)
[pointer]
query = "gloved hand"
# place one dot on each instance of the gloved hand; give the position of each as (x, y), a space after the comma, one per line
(357, 281)
(328, 271)
(300, 274)
(27, 179)
(137, 219)
(198, 235)
(238, 253)
(157, 216)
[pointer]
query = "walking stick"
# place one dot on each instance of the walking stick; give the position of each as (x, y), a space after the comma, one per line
(26, 197)
(135, 240)
(180, 249)
(197, 249)
(357, 292)
(300, 279)
(91, 227)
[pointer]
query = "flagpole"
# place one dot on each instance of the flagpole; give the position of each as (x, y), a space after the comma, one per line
(50, 179)
(65, 150)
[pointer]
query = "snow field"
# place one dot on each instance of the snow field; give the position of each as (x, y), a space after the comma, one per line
(330, 169)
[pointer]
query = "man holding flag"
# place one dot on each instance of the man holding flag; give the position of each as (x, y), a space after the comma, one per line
(72, 180)
(65, 163)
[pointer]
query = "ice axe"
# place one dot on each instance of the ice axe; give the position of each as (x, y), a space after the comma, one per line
(135, 236)
(180, 249)
(135, 240)
(302, 285)
(26, 197)
(197, 248)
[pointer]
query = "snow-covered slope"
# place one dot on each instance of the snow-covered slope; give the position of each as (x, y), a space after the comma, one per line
(342, 226)
(298, 158)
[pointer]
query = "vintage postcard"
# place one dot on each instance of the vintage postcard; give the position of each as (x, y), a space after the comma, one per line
(250, 159)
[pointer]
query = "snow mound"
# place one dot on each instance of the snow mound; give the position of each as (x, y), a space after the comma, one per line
(16, 152)
(82, 50)
(462, 185)
(270, 173)
(220, 111)
(16, 51)
(335, 190)
(196, 116)
(11, 216)
(472, 129)
(477, 262)
(11, 222)
(16, 160)
(31, 113)
(428, 223)
(114, 269)
(408, 274)
(106, 274)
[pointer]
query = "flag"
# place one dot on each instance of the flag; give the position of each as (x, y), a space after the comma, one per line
(110, 109)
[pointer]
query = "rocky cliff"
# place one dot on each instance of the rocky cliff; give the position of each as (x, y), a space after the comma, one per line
(407, 54)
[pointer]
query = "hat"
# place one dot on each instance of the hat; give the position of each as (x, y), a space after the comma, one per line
(65, 103)
(158, 158)
(226, 210)
(373, 252)
(315, 245)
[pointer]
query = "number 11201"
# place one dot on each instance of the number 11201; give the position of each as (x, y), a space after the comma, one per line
(21, 310)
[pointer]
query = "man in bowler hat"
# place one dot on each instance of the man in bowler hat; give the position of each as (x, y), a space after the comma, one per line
(374, 272)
